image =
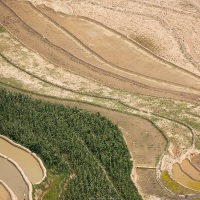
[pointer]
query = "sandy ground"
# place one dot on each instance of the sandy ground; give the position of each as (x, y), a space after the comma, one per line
(146, 153)
(180, 137)
(4, 194)
(166, 30)
(108, 45)
(47, 49)
(168, 26)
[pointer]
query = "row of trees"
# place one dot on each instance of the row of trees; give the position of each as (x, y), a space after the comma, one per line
(70, 140)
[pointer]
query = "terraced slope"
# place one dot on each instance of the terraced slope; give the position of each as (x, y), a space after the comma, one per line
(4, 194)
(184, 179)
(27, 162)
(190, 170)
(133, 60)
(13, 179)
(55, 52)
(121, 52)
(195, 161)
(172, 127)
(166, 25)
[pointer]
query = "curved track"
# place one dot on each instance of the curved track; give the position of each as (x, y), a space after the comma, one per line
(92, 62)
(57, 54)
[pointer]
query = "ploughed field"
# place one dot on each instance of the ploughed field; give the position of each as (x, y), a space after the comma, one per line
(68, 53)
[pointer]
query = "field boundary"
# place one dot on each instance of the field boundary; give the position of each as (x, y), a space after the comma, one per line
(107, 98)
(30, 188)
(11, 193)
(164, 24)
(99, 56)
(183, 185)
(188, 173)
(94, 69)
(39, 161)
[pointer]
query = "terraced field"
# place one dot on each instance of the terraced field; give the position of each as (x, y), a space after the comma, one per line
(14, 179)
(4, 193)
(185, 180)
(19, 169)
(189, 169)
(70, 53)
(25, 25)
(29, 164)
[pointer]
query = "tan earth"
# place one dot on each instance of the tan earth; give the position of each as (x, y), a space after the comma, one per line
(196, 161)
(138, 46)
(167, 24)
(13, 179)
(25, 160)
(184, 179)
(165, 30)
(46, 43)
(4, 194)
(190, 170)
(150, 187)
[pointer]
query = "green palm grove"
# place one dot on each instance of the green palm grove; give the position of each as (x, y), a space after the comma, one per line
(71, 141)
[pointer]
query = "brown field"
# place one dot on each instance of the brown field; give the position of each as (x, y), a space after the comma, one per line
(134, 61)
(48, 45)
(168, 24)
(185, 180)
(4, 194)
(196, 161)
(106, 44)
(149, 186)
(173, 186)
(190, 170)
(13, 178)
(25, 160)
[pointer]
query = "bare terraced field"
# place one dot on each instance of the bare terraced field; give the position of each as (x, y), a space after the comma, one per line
(133, 61)
(13, 178)
(19, 168)
(4, 194)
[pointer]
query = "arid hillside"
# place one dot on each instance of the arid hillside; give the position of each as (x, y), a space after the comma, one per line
(135, 62)
(170, 29)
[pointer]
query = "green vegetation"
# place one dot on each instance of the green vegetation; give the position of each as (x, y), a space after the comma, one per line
(71, 141)
(174, 186)
(2, 29)
(51, 187)
(54, 188)
(12, 81)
